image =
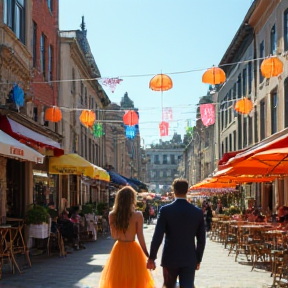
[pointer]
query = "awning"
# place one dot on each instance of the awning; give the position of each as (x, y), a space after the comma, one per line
(28, 136)
(275, 141)
(71, 164)
(101, 174)
(136, 182)
(117, 179)
(268, 163)
(227, 156)
(13, 148)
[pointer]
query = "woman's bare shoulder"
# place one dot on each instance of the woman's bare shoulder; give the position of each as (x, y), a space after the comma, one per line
(138, 214)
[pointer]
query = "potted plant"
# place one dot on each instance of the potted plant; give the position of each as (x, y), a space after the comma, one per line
(37, 217)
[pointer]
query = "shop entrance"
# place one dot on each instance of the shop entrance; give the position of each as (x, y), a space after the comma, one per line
(15, 188)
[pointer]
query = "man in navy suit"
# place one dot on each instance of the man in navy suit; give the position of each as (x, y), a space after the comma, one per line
(181, 222)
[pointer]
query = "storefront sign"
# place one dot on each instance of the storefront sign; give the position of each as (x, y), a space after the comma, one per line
(67, 170)
(16, 151)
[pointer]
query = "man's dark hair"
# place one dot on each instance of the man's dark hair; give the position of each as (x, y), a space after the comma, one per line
(180, 186)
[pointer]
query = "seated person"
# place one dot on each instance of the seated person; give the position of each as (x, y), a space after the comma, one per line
(283, 214)
(54, 216)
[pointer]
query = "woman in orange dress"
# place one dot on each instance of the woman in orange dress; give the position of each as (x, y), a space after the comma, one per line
(126, 266)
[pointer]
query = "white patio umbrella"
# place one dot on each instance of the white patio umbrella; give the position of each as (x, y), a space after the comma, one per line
(13, 148)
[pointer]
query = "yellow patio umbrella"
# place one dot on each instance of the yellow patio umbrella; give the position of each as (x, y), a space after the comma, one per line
(71, 164)
(101, 174)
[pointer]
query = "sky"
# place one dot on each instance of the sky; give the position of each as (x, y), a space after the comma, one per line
(137, 39)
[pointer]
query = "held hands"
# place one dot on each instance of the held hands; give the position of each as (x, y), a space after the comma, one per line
(198, 266)
(151, 264)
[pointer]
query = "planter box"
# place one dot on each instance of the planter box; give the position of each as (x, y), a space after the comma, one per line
(38, 230)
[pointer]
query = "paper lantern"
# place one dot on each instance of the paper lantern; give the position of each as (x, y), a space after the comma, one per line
(271, 67)
(161, 82)
(214, 76)
(244, 106)
(87, 118)
(53, 114)
(164, 128)
(130, 118)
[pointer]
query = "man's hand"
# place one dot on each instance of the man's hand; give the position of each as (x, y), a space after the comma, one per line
(151, 264)
(198, 266)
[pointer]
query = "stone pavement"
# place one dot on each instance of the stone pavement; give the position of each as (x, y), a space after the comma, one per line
(82, 269)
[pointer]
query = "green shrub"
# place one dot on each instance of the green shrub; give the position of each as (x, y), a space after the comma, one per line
(100, 208)
(37, 215)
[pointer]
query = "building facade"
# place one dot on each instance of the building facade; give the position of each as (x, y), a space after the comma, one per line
(162, 166)
(22, 120)
(77, 64)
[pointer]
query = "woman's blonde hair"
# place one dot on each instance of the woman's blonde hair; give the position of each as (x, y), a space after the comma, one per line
(122, 210)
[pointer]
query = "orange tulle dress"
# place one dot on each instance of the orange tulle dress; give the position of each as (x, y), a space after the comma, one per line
(126, 267)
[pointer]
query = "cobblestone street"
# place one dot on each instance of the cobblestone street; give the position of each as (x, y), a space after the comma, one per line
(82, 269)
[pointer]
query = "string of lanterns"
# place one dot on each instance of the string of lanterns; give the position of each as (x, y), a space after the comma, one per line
(270, 67)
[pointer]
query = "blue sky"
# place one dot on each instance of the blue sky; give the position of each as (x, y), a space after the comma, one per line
(136, 39)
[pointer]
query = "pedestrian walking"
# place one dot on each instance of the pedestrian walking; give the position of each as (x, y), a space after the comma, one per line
(181, 222)
(126, 267)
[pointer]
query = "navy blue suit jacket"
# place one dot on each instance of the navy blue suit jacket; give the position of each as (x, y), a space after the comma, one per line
(182, 223)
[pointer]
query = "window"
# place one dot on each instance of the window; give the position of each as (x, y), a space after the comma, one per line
(273, 41)
(222, 117)
(172, 159)
(226, 145)
(50, 63)
(230, 142)
(239, 87)
(164, 159)
(286, 101)
(250, 130)
(85, 99)
(234, 93)
(244, 77)
(285, 36)
(261, 55)
(255, 125)
(239, 131)
(234, 141)
(262, 120)
(73, 83)
(250, 77)
(90, 149)
(85, 148)
(245, 139)
(82, 93)
(42, 53)
(14, 17)
(274, 112)
(35, 114)
(156, 159)
(50, 5)
(34, 43)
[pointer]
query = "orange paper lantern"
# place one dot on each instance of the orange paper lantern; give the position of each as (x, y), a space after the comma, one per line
(244, 106)
(87, 118)
(214, 76)
(271, 67)
(53, 114)
(130, 118)
(161, 82)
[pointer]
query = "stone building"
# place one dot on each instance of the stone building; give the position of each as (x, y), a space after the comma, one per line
(162, 166)
(262, 33)
(77, 63)
(18, 53)
(123, 154)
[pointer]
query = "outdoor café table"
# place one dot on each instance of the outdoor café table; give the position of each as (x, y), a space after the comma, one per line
(17, 236)
(6, 247)
(275, 234)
